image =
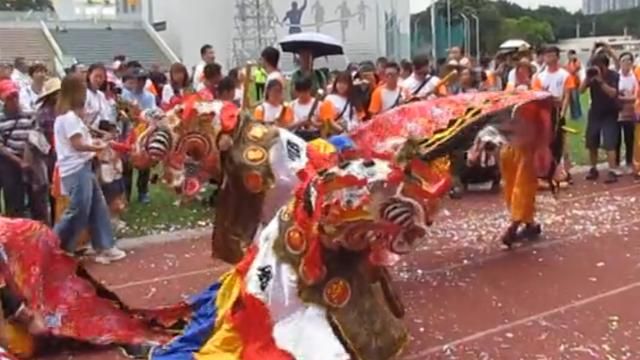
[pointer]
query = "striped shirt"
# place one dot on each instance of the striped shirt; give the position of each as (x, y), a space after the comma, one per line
(14, 132)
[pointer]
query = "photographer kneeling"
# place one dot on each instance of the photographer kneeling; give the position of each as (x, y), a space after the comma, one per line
(602, 127)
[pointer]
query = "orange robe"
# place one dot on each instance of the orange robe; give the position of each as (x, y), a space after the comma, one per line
(520, 182)
(636, 150)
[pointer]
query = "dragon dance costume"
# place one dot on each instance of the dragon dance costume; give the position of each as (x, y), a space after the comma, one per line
(319, 263)
(307, 287)
(304, 274)
(38, 275)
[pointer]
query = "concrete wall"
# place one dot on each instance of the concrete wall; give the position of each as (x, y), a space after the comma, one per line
(367, 28)
(218, 22)
(192, 23)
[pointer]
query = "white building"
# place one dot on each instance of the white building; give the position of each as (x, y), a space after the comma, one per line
(593, 7)
(239, 29)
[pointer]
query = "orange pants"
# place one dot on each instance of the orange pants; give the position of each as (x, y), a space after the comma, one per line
(520, 183)
(636, 149)
(16, 339)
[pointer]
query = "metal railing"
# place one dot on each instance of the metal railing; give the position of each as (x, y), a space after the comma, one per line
(61, 61)
(164, 47)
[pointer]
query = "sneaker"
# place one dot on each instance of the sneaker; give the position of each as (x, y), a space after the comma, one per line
(86, 250)
(593, 174)
(530, 231)
(108, 256)
(455, 193)
(569, 179)
(118, 225)
(612, 178)
(144, 199)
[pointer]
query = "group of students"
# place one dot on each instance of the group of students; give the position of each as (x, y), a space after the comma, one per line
(612, 82)
(55, 137)
(321, 108)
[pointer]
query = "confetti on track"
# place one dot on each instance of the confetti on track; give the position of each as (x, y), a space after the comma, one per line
(570, 295)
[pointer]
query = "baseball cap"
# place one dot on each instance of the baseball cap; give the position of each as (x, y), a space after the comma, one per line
(7, 88)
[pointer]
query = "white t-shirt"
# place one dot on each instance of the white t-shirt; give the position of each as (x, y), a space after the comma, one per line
(97, 108)
(554, 82)
(21, 79)
(168, 93)
(412, 84)
(28, 100)
(276, 75)
(238, 95)
(70, 160)
(627, 84)
(301, 112)
(389, 98)
(198, 76)
(349, 119)
(270, 112)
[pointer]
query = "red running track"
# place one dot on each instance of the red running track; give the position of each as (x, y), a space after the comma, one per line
(571, 295)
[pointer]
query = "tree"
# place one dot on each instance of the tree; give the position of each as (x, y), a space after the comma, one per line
(535, 32)
(25, 5)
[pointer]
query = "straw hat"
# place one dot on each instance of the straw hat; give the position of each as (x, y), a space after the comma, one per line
(50, 87)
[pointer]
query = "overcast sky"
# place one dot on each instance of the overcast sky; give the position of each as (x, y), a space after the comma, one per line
(571, 5)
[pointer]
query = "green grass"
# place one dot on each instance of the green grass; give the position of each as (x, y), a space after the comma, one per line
(165, 213)
(576, 142)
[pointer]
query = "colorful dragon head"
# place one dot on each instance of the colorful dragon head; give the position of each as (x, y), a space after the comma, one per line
(195, 158)
(183, 140)
(372, 206)
(343, 229)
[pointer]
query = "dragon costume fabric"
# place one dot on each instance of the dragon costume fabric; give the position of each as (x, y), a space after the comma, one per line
(73, 306)
(261, 165)
(260, 173)
(4, 355)
(309, 285)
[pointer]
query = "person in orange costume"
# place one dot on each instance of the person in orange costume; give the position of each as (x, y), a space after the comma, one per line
(274, 110)
(522, 162)
(390, 94)
(338, 113)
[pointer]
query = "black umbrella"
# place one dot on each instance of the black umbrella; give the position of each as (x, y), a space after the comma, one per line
(320, 44)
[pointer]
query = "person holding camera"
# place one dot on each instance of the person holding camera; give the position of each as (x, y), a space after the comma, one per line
(603, 130)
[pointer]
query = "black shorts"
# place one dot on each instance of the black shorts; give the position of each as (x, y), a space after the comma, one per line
(113, 190)
(603, 132)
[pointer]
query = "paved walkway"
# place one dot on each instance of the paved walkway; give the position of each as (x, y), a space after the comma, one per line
(571, 295)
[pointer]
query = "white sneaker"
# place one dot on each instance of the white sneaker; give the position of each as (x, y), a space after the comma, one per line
(86, 250)
(108, 256)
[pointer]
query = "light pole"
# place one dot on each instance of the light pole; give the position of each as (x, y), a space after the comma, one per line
(415, 30)
(474, 14)
(449, 23)
(434, 48)
(477, 19)
(465, 32)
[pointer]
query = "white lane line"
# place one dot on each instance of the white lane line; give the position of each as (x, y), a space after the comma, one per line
(166, 278)
(524, 321)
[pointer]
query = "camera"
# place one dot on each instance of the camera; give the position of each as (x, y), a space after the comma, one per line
(592, 72)
(490, 146)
